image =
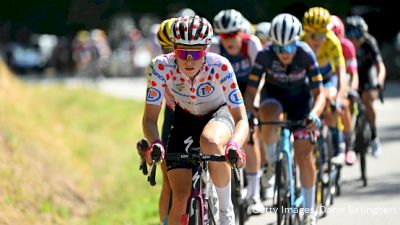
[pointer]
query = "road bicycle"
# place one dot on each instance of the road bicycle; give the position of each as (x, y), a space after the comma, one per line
(289, 199)
(202, 203)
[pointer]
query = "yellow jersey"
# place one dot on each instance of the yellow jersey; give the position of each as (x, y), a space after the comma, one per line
(329, 55)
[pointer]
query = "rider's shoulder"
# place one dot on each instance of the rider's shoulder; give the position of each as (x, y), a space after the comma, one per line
(164, 61)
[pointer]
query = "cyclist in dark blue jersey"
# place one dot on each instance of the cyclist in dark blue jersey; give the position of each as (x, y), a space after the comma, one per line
(293, 85)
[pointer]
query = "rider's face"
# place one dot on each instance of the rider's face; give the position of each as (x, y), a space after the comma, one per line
(190, 59)
(232, 42)
(316, 40)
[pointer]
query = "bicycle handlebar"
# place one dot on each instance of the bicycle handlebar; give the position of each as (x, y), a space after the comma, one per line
(192, 159)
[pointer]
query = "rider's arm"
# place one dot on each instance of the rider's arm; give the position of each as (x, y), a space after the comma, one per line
(150, 118)
(340, 67)
(234, 100)
(253, 81)
(381, 73)
(315, 81)
(377, 58)
(351, 64)
(154, 97)
(242, 125)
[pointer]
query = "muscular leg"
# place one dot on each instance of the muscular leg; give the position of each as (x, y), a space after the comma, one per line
(212, 140)
(270, 112)
(304, 158)
(368, 98)
(165, 194)
(180, 180)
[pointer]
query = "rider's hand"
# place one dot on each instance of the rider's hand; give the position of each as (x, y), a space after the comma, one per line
(315, 121)
(148, 154)
(232, 145)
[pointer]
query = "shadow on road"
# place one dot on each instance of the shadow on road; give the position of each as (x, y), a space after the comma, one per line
(378, 187)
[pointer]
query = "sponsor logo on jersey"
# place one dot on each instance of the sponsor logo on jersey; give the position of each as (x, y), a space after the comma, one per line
(153, 95)
(159, 76)
(180, 87)
(227, 77)
(235, 97)
(205, 89)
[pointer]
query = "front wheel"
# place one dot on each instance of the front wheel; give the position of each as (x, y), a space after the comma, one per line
(238, 203)
(195, 212)
(282, 189)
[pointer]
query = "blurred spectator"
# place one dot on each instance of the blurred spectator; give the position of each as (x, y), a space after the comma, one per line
(84, 54)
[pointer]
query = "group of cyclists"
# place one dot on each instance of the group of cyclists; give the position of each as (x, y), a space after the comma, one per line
(215, 76)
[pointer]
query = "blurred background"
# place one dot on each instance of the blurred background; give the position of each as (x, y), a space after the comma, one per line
(116, 38)
(67, 152)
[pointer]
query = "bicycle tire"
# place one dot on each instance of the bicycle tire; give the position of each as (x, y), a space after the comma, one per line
(238, 204)
(195, 212)
(283, 193)
(361, 143)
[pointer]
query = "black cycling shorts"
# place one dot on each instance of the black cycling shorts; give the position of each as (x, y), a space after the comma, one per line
(187, 128)
(368, 78)
(296, 107)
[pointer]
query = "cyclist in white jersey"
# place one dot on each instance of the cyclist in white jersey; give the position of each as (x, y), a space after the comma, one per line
(241, 49)
(209, 112)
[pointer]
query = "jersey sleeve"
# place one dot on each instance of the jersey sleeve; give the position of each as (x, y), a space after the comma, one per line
(253, 48)
(230, 87)
(349, 52)
(335, 50)
(377, 57)
(257, 70)
(313, 73)
(156, 83)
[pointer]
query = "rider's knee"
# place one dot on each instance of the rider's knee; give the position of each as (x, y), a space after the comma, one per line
(208, 142)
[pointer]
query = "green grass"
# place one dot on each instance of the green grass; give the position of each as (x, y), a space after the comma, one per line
(71, 158)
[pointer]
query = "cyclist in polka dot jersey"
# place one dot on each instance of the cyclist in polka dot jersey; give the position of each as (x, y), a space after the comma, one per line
(209, 113)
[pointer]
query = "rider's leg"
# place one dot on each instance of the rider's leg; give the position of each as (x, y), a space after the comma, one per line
(346, 118)
(164, 201)
(271, 110)
(368, 98)
(304, 158)
(214, 137)
(165, 194)
(253, 167)
(180, 180)
(332, 121)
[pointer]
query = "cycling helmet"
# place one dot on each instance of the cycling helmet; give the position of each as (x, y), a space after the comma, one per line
(317, 19)
(247, 27)
(164, 32)
(227, 21)
(337, 26)
(356, 27)
(192, 31)
(285, 29)
(262, 30)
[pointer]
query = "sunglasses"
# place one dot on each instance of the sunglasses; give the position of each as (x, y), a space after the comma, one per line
(289, 48)
(229, 35)
(354, 34)
(192, 54)
(318, 36)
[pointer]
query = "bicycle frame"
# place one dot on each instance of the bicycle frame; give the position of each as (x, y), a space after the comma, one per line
(285, 150)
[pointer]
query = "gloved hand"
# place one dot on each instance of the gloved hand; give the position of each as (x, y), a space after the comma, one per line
(241, 155)
(152, 152)
(315, 121)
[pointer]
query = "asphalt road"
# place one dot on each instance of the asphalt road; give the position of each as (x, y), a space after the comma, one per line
(379, 202)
